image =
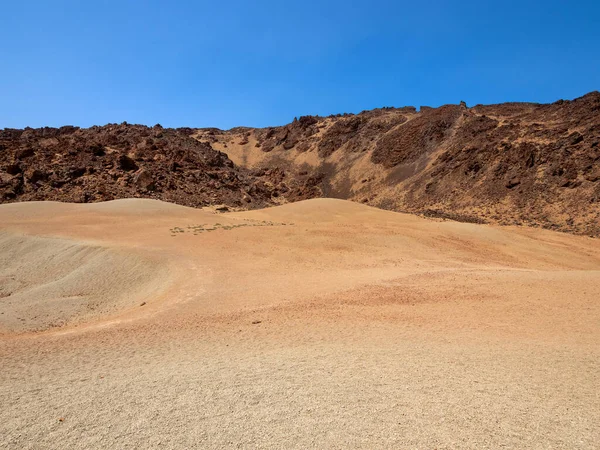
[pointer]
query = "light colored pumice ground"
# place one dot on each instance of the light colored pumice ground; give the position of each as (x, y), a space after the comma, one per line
(321, 324)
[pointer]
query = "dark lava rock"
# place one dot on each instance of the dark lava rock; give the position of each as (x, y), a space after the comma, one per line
(128, 164)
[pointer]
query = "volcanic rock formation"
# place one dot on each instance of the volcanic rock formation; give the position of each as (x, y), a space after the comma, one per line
(120, 161)
(511, 163)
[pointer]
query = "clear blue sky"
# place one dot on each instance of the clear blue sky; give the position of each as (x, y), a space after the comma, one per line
(258, 63)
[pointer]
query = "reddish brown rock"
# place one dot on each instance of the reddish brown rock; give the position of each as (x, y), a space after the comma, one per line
(511, 163)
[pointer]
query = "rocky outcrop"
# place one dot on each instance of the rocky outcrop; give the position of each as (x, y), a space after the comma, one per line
(118, 161)
(512, 163)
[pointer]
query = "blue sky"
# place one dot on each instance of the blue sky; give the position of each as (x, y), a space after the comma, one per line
(230, 63)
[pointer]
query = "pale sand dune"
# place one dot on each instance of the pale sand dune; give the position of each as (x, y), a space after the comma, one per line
(323, 324)
(50, 282)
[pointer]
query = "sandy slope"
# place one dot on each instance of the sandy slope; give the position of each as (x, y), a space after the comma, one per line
(322, 323)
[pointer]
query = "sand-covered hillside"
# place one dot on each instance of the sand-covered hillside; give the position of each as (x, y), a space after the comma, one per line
(323, 323)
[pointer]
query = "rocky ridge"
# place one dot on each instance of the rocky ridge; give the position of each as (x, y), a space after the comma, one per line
(511, 164)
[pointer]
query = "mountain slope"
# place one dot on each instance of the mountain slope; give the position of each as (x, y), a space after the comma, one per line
(512, 163)
(120, 161)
